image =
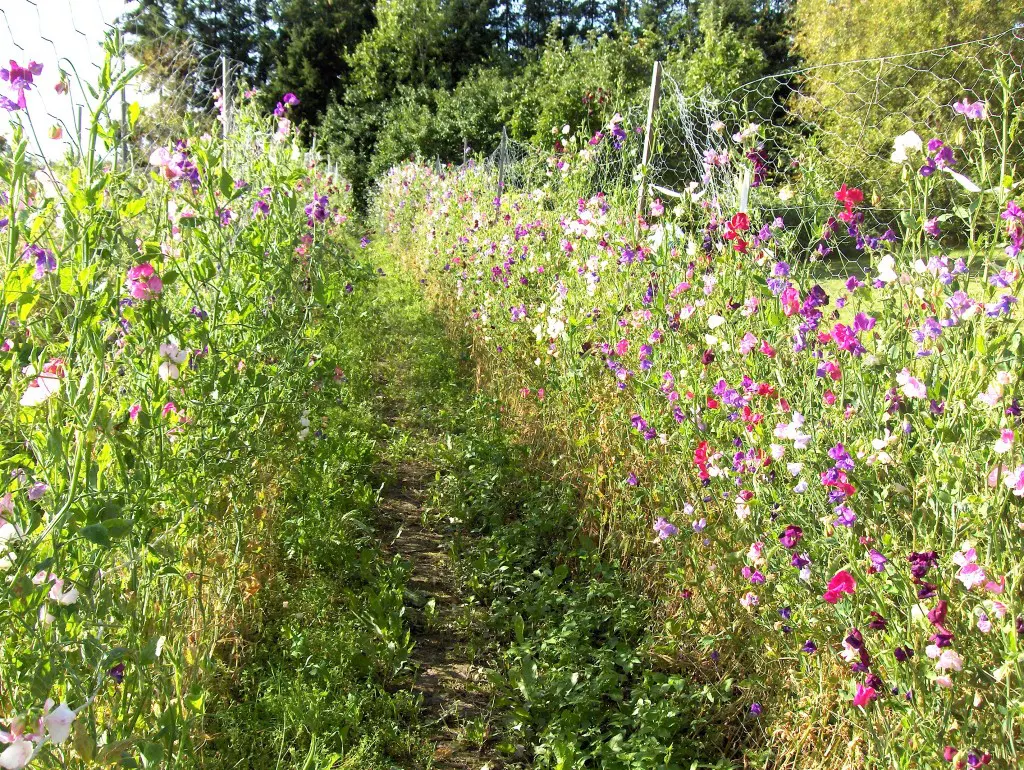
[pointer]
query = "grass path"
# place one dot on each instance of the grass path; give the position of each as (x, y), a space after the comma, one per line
(423, 388)
(439, 609)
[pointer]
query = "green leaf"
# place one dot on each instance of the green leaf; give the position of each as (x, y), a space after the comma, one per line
(133, 208)
(97, 534)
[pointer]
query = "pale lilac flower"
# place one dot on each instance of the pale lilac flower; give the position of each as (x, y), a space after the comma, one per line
(910, 385)
(971, 110)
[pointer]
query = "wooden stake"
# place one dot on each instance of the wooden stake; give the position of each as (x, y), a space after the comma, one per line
(502, 152)
(652, 108)
(225, 104)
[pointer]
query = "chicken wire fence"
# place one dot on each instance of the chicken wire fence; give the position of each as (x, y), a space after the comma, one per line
(182, 84)
(834, 122)
(807, 132)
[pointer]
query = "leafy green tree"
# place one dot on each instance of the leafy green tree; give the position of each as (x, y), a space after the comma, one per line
(238, 29)
(310, 54)
(416, 47)
(724, 56)
(842, 30)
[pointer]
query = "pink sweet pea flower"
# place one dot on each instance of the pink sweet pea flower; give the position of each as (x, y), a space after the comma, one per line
(864, 695)
(1005, 441)
(790, 299)
(842, 583)
(143, 282)
(911, 386)
(1014, 480)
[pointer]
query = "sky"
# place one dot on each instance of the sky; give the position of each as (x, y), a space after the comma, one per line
(48, 31)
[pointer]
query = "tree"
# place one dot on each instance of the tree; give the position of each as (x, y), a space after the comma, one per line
(830, 31)
(310, 54)
(238, 29)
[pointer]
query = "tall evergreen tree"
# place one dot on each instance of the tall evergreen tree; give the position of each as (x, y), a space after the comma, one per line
(164, 34)
(310, 55)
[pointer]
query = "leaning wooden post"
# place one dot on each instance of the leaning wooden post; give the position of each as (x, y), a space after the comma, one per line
(224, 100)
(652, 107)
(502, 152)
(465, 150)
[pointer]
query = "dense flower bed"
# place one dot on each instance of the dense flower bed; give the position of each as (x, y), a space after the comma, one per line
(830, 468)
(161, 371)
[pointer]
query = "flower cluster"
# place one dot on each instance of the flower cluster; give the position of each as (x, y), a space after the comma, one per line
(850, 428)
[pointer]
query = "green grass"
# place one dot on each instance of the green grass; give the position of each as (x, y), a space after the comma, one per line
(569, 643)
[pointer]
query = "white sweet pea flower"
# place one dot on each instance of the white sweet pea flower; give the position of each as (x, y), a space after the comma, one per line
(886, 269)
(58, 722)
(17, 755)
(904, 144)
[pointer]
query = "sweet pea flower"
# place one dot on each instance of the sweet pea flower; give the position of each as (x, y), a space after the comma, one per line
(949, 660)
(665, 529)
(910, 385)
(1014, 481)
(164, 160)
(58, 722)
(20, 751)
(841, 583)
(864, 695)
(791, 536)
(971, 110)
(59, 595)
(20, 79)
(143, 282)
(1005, 441)
(904, 144)
(44, 384)
(174, 356)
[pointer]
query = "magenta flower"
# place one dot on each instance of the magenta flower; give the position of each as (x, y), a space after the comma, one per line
(864, 695)
(143, 282)
(20, 80)
(791, 536)
(841, 583)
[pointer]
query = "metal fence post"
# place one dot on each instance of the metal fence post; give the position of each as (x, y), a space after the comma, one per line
(652, 108)
(502, 153)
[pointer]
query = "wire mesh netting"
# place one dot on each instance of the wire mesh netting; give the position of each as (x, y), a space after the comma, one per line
(835, 121)
(805, 133)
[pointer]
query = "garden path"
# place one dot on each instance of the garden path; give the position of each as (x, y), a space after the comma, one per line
(415, 377)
